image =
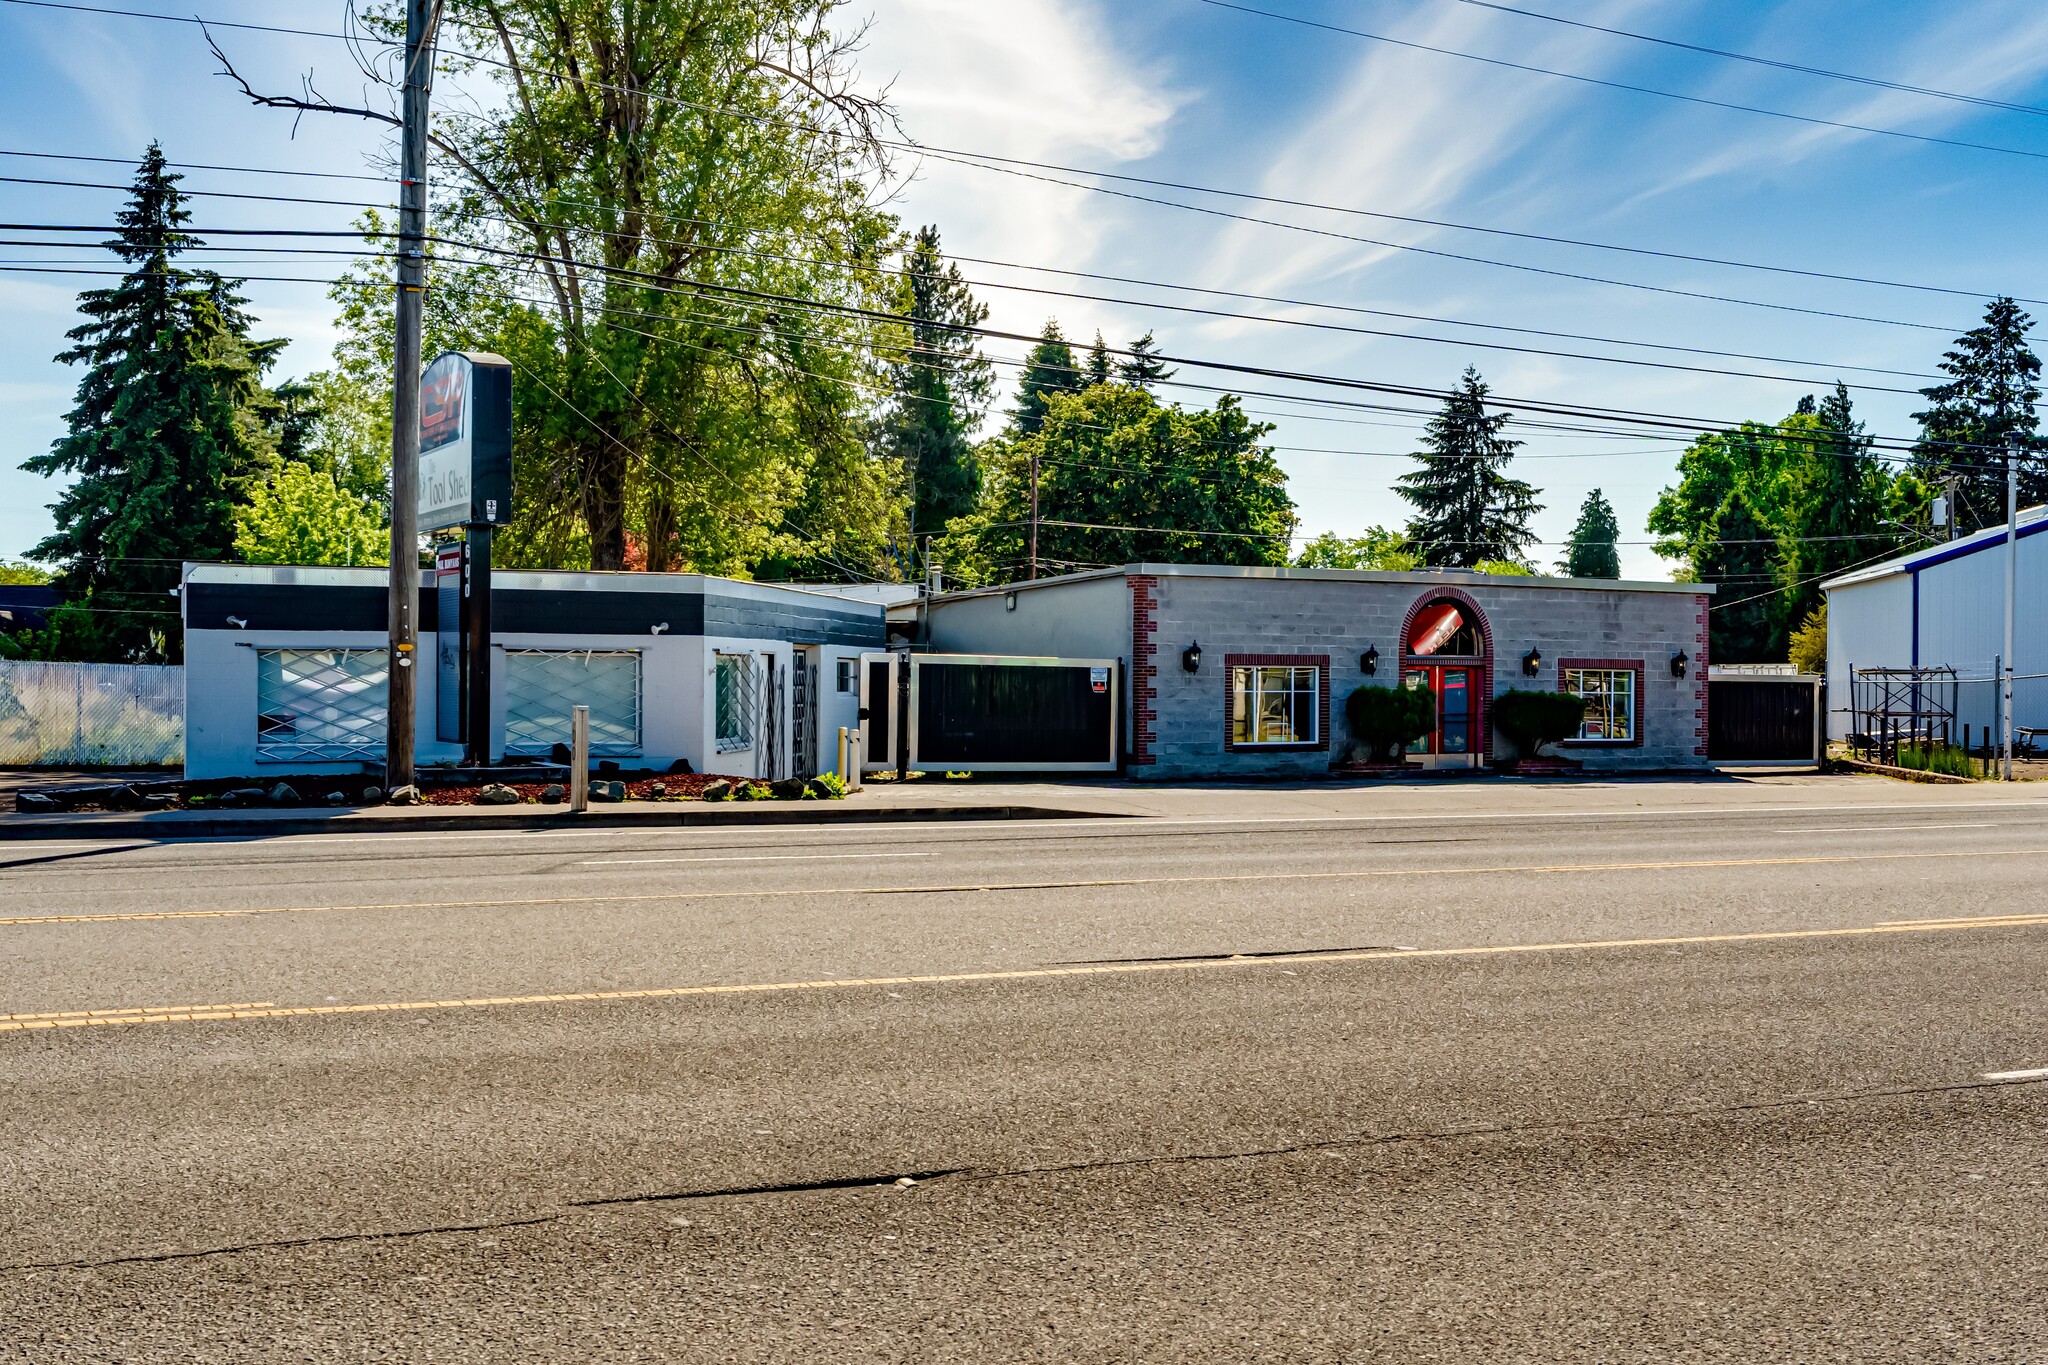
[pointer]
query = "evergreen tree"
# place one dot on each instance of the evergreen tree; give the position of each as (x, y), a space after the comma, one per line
(1466, 507)
(938, 388)
(1836, 502)
(1099, 369)
(1048, 369)
(171, 427)
(1989, 399)
(1142, 369)
(1592, 552)
(1745, 624)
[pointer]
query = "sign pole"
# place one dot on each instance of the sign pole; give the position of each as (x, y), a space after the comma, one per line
(2012, 561)
(403, 606)
(476, 653)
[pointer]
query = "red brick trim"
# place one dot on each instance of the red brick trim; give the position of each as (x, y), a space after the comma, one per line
(1144, 667)
(1634, 666)
(1481, 664)
(1321, 662)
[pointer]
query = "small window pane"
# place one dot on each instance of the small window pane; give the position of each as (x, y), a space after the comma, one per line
(1610, 697)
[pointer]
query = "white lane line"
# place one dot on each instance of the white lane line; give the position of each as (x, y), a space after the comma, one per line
(757, 858)
(1880, 829)
(2039, 1073)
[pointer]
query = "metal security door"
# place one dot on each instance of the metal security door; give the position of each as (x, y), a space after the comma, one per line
(771, 720)
(803, 712)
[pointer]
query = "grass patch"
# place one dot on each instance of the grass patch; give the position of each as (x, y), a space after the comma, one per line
(1946, 759)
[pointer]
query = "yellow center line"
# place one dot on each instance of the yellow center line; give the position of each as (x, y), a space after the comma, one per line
(137, 1010)
(766, 893)
(201, 1013)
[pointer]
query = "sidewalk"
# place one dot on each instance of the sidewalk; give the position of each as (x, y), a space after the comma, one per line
(996, 801)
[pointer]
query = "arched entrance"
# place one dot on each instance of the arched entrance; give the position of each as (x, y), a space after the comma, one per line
(1447, 647)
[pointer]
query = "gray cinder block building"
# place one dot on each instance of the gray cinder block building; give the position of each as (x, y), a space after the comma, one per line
(1243, 672)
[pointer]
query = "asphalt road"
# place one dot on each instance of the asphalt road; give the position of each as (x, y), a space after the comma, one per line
(1722, 1081)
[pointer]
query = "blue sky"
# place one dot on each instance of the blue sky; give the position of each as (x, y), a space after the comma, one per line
(1186, 91)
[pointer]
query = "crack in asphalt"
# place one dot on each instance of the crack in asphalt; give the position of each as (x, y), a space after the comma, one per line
(967, 1174)
(1230, 957)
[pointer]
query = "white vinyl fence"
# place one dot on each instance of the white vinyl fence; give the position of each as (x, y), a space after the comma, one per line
(91, 715)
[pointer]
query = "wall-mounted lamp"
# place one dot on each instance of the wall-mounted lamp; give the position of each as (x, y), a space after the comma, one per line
(1678, 663)
(1009, 601)
(238, 623)
(1369, 662)
(658, 629)
(1532, 663)
(1191, 657)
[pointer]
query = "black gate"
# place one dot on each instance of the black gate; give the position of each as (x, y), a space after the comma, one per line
(1761, 719)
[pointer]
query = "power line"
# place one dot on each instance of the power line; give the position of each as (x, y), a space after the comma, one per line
(1872, 81)
(1622, 85)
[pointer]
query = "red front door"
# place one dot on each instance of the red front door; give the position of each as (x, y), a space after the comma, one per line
(1452, 685)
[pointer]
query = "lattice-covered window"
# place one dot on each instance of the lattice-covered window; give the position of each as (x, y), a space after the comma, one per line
(320, 705)
(541, 685)
(736, 702)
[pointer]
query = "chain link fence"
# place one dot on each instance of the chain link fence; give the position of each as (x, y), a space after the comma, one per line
(91, 715)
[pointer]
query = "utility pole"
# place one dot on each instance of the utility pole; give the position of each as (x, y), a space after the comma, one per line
(2012, 574)
(1034, 514)
(402, 690)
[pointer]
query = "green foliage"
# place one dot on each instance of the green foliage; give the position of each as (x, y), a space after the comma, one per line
(1533, 719)
(1988, 401)
(1838, 510)
(1504, 568)
(1385, 720)
(1099, 370)
(1378, 548)
(1467, 509)
(1049, 369)
(1750, 457)
(753, 791)
(21, 571)
(1744, 622)
(1113, 457)
(1143, 368)
(170, 429)
(938, 387)
(1593, 551)
(300, 516)
(827, 786)
(1936, 758)
(1808, 651)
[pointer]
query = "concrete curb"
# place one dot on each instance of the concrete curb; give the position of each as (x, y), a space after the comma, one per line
(432, 820)
(1858, 765)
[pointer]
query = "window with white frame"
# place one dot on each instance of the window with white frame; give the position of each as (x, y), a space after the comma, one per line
(733, 693)
(1274, 704)
(1610, 697)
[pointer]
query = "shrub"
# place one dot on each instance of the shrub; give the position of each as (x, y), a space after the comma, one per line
(828, 786)
(1534, 719)
(1936, 758)
(1387, 719)
(755, 791)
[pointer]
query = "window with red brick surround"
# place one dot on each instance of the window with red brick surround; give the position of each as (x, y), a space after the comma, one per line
(1319, 662)
(1633, 667)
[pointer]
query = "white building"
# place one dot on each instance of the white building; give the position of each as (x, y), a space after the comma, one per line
(285, 670)
(1944, 607)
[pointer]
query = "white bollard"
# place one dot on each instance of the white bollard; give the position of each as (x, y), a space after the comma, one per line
(842, 757)
(579, 758)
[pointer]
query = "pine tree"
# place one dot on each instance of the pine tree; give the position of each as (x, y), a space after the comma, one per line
(1466, 507)
(1143, 369)
(1592, 552)
(1099, 369)
(1836, 513)
(1048, 369)
(171, 427)
(939, 386)
(1745, 624)
(1989, 400)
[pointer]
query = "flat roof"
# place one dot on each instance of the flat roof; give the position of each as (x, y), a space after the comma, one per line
(1412, 578)
(2033, 521)
(554, 580)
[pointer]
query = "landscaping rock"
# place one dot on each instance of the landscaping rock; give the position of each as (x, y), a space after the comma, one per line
(407, 795)
(157, 801)
(245, 796)
(658, 792)
(559, 754)
(607, 791)
(681, 765)
(608, 765)
(283, 794)
(335, 798)
(717, 789)
(553, 794)
(788, 789)
(125, 798)
(497, 794)
(35, 803)
(373, 795)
